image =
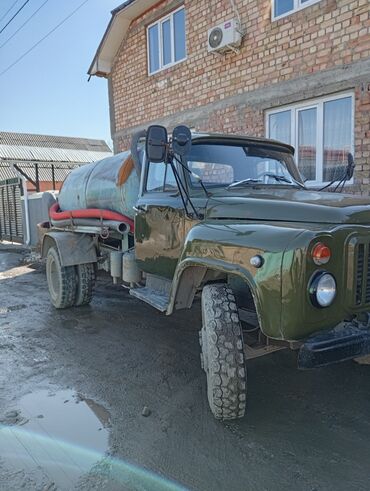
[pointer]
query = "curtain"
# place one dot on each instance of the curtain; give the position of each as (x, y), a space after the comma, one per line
(337, 137)
(307, 125)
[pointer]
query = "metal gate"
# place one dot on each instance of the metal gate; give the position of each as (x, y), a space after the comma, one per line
(11, 227)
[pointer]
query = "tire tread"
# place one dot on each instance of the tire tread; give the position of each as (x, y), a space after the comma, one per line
(225, 367)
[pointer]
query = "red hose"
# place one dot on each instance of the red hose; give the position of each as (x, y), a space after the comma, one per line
(56, 214)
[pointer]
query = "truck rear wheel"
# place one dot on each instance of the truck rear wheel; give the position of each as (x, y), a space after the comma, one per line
(85, 283)
(61, 281)
(222, 356)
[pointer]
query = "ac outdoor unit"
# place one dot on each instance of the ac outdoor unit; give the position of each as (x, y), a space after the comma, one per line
(225, 37)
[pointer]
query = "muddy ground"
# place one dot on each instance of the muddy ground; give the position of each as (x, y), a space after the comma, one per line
(73, 385)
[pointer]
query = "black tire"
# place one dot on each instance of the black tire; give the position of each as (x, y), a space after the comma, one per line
(85, 284)
(222, 356)
(61, 281)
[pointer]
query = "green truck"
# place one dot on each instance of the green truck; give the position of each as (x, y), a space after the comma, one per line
(228, 220)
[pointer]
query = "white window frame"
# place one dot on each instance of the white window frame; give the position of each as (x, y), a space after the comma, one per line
(298, 5)
(159, 23)
(318, 104)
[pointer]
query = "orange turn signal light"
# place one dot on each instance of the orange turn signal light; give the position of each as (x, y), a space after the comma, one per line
(321, 254)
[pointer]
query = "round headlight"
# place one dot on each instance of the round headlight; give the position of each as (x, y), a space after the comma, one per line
(323, 289)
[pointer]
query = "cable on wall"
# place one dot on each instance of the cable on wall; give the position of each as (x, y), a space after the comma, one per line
(237, 14)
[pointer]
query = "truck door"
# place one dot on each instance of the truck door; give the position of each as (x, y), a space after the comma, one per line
(159, 221)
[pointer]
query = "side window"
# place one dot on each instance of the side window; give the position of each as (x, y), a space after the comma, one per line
(170, 181)
(160, 178)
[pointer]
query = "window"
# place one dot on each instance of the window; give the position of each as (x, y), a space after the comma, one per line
(167, 41)
(160, 178)
(322, 132)
(281, 8)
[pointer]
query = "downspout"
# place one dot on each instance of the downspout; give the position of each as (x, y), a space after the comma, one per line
(26, 207)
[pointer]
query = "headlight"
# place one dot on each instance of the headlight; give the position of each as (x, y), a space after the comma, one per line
(322, 289)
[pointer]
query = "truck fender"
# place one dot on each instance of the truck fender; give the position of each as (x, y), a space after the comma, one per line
(73, 248)
(190, 274)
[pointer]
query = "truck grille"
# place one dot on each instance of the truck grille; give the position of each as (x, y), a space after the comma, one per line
(362, 274)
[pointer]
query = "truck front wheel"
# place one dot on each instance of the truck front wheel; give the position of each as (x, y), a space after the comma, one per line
(222, 356)
(61, 280)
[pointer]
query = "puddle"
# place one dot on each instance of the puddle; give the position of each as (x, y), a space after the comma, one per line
(55, 437)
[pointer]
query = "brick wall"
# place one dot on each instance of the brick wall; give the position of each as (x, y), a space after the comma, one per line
(299, 56)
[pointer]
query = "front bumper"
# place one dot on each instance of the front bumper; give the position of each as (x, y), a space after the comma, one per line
(344, 342)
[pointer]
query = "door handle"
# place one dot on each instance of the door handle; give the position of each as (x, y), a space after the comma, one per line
(140, 208)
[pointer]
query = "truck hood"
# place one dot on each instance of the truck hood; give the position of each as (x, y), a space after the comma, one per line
(291, 205)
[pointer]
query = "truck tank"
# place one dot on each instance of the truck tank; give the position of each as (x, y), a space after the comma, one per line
(108, 184)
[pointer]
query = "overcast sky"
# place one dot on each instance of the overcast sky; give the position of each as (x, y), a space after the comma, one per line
(47, 92)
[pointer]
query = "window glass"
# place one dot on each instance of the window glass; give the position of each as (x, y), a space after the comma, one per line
(307, 143)
(170, 182)
(153, 48)
(166, 42)
(156, 174)
(337, 137)
(160, 178)
(179, 34)
(221, 165)
(322, 133)
(283, 6)
(280, 126)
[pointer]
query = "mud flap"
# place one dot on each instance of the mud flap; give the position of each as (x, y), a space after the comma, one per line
(333, 346)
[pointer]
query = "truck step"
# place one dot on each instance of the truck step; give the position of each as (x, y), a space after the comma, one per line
(155, 298)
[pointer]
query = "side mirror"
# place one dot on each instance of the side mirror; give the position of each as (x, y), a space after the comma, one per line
(181, 140)
(156, 144)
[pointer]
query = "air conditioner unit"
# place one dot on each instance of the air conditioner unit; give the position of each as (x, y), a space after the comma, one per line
(225, 37)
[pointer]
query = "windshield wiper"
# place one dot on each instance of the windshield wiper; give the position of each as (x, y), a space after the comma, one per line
(278, 177)
(242, 182)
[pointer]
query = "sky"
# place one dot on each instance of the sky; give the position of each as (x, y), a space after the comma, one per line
(48, 91)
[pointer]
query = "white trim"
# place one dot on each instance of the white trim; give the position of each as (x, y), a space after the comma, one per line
(317, 103)
(298, 5)
(159, 23)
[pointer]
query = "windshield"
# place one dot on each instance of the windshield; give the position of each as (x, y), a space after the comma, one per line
(224, 165)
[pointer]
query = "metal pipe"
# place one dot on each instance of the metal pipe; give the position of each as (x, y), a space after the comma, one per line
(120, 227)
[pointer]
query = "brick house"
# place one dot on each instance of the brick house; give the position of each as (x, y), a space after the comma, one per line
(301, 75)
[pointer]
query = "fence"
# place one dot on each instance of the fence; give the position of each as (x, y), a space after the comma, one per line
(11, 223)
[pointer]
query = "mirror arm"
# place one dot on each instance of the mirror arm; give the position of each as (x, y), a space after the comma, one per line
(183, 192)
(207, 193)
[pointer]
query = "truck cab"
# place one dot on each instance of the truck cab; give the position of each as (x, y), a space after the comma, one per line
(228, 219)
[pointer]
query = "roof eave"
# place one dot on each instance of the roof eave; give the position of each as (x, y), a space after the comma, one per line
(116, 31)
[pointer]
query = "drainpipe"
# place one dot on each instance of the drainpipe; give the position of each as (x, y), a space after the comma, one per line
(26, 208)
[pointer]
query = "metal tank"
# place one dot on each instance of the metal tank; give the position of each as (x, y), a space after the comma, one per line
(109, 184)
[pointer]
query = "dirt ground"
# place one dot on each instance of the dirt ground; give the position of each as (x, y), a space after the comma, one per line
(74, 385)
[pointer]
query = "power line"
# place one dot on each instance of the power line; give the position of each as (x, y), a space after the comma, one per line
(24, 23)
(9, 9)
(14, 16)
(43, 38)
